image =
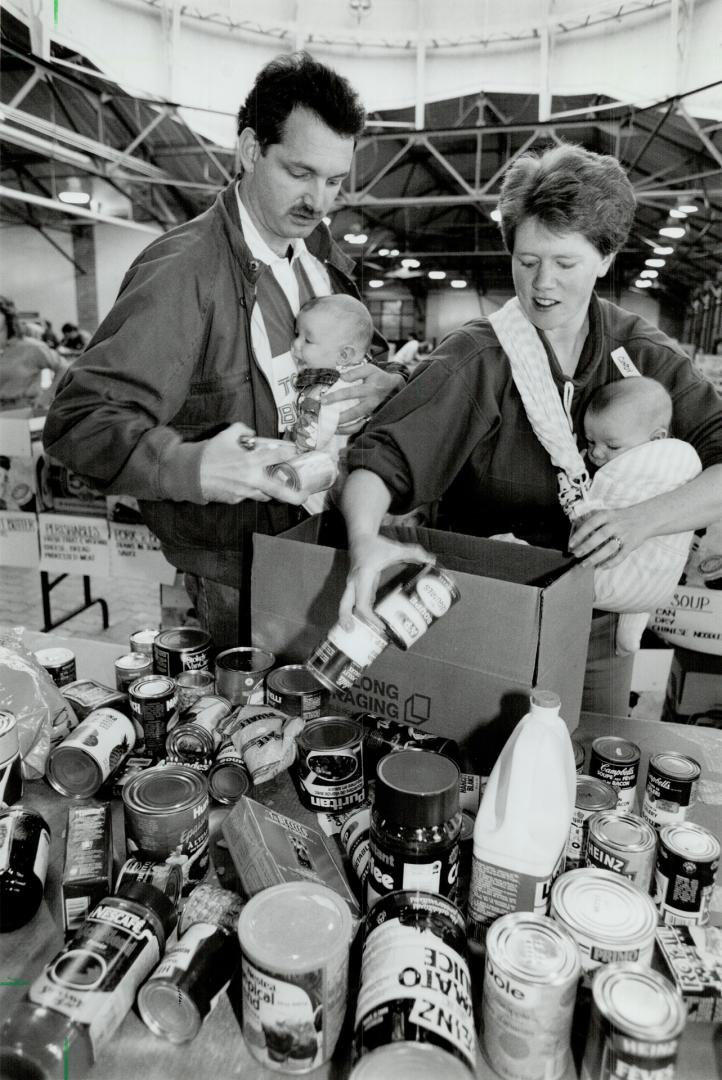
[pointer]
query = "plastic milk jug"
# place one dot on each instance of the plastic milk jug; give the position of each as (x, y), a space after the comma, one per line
(523, 821)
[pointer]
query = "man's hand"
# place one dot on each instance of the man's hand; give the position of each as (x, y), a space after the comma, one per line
(230, 473)
(375, 386)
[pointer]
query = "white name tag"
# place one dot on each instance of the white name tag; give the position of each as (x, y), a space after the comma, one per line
(624, 362)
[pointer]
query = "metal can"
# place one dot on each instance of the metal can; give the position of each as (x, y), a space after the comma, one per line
(130, 667)
(623, 843)
(684, 877)
(354, 838)
(671, 788)
(414, 604)
(184, 648)
(328, 770)
(11, 773)
(312, 471)
(578, 755)
(383, 736)
(154, 702)
(592, 795)
(167, 877)
(531, 973)
(339, 660)
(637, 1019)
(83, 761)
(228, 777)
(616, 761)
(192, 685)
(466, 857)
(241, 674)
(141, 641)
(415, 984)
(710, 570)
(166, 818)
(87, 695)
(59, 664)
(609, 918)
(196, 737)
(294, 691)
(295, 941)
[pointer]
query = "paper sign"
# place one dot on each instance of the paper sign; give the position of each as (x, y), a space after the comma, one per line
(74, 544)
(14, 435)
(19, 539)
(692, 619)
(135, 553)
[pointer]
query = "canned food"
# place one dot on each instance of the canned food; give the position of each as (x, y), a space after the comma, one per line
(530, 983)
(295, 942)
(609, 918)
(191, 685)
(59, 664)
(415, 982)
(339, 660)
(154, 702)
(382, 736)
(141, 641)
(130, 667)
(616, 761)
(592, 795)
(636, 1021)
(166, 818)
(241, 674)
(293, 690)
(133, 764)
(684, 877)
(578, 755)
(11, 774)
(196, 737)
(354, 838)
(413, 605)
(710, 570)
(185, 648)
(228, 778)
(87, 695)
(312, 471)
(671, 788)
(167, 877)
(623, 843)
(328, 770)
(84, 760)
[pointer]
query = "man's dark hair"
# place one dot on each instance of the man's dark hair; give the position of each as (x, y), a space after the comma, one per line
(299, 81)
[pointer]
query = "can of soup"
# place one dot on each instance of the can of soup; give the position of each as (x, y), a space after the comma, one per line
(671, 788)
(413, 605)
(130, 667)
(184, 648)
(684, 877)
(83, 761)
(241, 674)
(328, 770)
(228, 778)
(340, 659)
(59, 664)
(623, 843)
(616, 761)
(293, 690)
(154, 702)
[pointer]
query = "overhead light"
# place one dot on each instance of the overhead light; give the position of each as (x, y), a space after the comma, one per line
(688, 208)
(458, 283)
(655, 262)
(411, 264)
(643, 283)
(437, 275)
(674, 232)
(355, 237)
(663, 250)
(649, 274)
(394, 252)
(383, 251)
(495, 215)
(375, 283)
(677, 212)
(73, 192)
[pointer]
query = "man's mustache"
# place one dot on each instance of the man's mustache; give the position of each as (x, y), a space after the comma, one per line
(305, 211)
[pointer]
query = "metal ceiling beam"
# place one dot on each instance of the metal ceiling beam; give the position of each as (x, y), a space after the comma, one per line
(74, 211)
(25, 89)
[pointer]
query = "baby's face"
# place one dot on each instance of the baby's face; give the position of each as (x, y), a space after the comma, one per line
(317, 343)
(611, 432)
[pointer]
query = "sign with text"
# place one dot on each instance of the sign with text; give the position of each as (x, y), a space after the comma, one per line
(74, 544)
(135, 553)
(19, 539)
(692, 618)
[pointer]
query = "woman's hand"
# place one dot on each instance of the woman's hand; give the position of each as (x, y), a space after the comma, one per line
(606, 537)
(370, 555)
(375, 386)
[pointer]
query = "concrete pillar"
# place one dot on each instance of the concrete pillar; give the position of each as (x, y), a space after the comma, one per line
(86, 286)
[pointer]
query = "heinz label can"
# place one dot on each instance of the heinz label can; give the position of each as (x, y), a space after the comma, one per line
(294, 690)
(166, 819)
(409, 609)
(11, 775)
(341, 658)
(592, 795)
(623, 843)
(130, 667)
(671, 788)
(687, 863)
(328, 769)
(295, 941)
(185, 648)
(59, 664)
(154, 702)
(616, 761)
(530, 985)
(84, 760)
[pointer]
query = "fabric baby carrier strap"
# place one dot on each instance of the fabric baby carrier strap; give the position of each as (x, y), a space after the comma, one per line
(278, 318)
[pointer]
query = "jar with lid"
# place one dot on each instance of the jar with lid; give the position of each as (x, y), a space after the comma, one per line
(415, 825)
(24, 848)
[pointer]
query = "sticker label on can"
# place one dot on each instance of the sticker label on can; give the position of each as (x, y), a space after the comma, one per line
(106, 735)
(388, 872)
(684, 900)
(180, 956)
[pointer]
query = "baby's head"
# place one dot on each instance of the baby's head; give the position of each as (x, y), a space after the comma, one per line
(332, 332)
(624, 414)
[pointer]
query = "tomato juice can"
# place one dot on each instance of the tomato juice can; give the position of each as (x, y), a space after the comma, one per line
(626, 844)
(196, 737)
(167, 877)
(83, 761)
(59, 664)
(166, 819)
(340, 659)
(616, 761)
(592, 795)
(228, 777)
(154, 702)
(295, 941)
(412, 606)
(241, 674)
(141, 641)
(184, 648)
(11, 774)
(671, 788)
(295, 691)
(130, 667)
(684, 877)
(329, 769)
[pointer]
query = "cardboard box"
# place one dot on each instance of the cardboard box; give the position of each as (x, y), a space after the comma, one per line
(88, 869)
(691, 956)
(522, 621)
(694, 690)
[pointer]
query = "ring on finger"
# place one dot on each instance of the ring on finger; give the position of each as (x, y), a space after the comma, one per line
(618, 545)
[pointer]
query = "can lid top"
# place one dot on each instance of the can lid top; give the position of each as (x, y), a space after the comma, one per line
(711, 567)
(293, 679)
(690, 841)
(183, 637)
(294, 927)
(534, 948)
(72, 771)
(603, 905)
(615, 748)
(641, 1002)
(54, 655)
(628, 830)
(417, 786)
(677, 766)
(595, 794)
(409, 1061)
(164, 789)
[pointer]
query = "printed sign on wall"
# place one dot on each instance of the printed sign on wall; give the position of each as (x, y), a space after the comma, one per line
(19, 539)
(73, 544)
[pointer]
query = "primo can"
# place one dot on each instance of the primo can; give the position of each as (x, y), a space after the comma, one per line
(530, 985)
(293, 690)
(616, 761)
(623, 843)
(329, 769)
(671, 788)
(185, 648)
(684, 877)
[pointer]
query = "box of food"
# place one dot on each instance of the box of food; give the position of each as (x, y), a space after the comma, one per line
(691, 956)
(88, 869)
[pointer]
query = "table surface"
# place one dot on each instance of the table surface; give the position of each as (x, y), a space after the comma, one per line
(219, 1049)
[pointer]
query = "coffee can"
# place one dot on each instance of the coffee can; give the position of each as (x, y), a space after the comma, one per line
(328, 769)
(165, 876)
(340, 659)
(11, 774)
(166, 819)
(130, 667)
(415, 604)
(616, 761)
(191, 685)
(684, 877)
(623, 843)
(84, 760)
(609, 918)
(531, 974)
(154, 701)
(295, 691)
(228, 777)
(141, 641)
(637, 1019)
(671, 788)
(295, 941)
(241, 674)
(592, 795)
(59, 664)
(312, 471)
(184, 648)
(196, 737)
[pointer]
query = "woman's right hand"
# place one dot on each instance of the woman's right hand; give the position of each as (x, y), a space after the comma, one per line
(370, 555)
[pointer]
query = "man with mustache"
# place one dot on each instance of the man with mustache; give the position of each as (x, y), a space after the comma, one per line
(194, 358)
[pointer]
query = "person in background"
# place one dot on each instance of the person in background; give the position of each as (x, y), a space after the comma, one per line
(193, 363)
(406, 353)
(73, 339)
(50, 338)
(460, 434)
(22, 362)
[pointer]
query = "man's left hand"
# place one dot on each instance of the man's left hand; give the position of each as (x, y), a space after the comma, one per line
(374, 387)
(606, 537)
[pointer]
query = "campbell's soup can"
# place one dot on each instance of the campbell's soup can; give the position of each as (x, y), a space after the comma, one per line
(329, 769)
(83, 761)
(185, 648)
(59, 664)
(293, 690)
(616, 761)
(166, 819)
(671, 788)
